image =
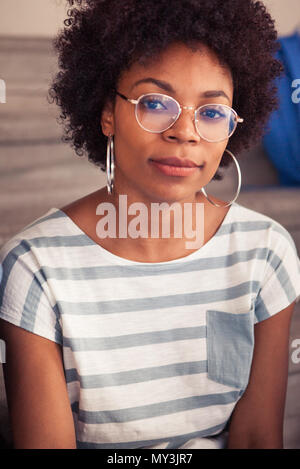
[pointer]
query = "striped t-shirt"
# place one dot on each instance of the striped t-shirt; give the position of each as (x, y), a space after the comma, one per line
(156, 355)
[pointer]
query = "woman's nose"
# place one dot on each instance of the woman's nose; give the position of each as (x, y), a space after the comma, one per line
(183, 130)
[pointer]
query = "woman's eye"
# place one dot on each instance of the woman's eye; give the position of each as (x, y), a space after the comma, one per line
(154, 105)
(212, 114)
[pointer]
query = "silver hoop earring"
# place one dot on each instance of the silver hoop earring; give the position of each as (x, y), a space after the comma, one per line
(110, 164)
(239, 184)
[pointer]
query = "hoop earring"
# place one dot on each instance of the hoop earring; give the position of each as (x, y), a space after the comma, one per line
(239, 184)
(110, 164)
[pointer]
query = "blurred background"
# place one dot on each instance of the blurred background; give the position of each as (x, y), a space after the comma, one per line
(38, 171)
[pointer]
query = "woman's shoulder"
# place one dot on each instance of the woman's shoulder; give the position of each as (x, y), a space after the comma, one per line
(250, 214)
(26, 259)
(262, 227)
(56, 228)
(44, 226)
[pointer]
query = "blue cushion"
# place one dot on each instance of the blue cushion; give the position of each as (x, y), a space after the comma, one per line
(282, 142)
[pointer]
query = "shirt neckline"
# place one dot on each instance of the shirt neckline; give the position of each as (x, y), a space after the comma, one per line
(123, 261)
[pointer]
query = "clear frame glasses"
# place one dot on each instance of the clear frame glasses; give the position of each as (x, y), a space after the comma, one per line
(156, 113)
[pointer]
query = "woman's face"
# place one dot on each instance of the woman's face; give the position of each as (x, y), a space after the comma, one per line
(193, 79)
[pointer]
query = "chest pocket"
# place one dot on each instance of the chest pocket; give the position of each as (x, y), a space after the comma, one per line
(230, 343)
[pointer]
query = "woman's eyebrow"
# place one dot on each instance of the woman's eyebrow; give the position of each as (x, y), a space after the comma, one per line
(167, 87)
(215, 94)
(161, 84)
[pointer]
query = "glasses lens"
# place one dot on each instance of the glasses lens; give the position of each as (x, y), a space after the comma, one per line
(215, 122)
(156, 112)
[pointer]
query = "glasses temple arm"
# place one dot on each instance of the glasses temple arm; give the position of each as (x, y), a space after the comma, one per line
(133, 101)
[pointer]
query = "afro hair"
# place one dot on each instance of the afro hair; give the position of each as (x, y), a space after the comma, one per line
(102, 38)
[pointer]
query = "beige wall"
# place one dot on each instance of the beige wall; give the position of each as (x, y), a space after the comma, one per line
(45, 17)
(286, 14)
(31, 17)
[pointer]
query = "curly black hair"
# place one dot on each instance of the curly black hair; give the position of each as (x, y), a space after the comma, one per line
(102, 38)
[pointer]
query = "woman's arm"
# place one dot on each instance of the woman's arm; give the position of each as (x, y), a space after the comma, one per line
(257, 420)
(36, 390)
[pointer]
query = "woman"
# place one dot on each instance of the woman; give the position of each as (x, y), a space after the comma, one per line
(155, 343)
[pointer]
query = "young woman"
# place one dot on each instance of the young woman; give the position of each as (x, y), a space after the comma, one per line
(138, 340)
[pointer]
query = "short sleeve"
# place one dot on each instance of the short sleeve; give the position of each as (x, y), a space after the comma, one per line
(24, 293)
(280, 285)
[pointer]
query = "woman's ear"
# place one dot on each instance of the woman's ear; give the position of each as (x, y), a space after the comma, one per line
(107, 119)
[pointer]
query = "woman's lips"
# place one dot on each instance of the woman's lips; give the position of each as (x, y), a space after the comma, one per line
(168, 166)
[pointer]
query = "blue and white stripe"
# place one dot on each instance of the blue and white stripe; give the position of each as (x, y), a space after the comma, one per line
(142, 343)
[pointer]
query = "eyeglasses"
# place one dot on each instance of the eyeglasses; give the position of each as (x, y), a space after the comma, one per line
(156, 112)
